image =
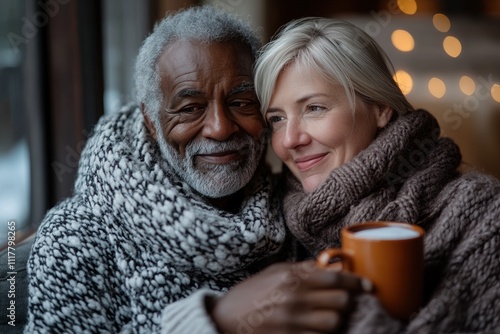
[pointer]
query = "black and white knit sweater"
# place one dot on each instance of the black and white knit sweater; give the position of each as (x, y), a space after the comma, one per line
(409, 174)
(134, 238)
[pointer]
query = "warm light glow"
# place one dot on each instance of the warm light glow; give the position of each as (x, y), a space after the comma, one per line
(441, 22)
(467, 85)
(437, 87)
(404, 81)
(402, 40)
(452, 46)
(407, 6)
(495, 92)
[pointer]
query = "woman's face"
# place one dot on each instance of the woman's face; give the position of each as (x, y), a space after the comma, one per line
(313, 127)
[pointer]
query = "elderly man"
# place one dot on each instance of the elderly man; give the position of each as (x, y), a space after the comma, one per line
(171, 196)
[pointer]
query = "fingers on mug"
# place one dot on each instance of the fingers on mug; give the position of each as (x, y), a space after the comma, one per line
(326, 256)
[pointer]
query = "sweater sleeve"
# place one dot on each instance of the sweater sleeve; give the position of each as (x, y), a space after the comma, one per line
(463, 248)
(464, 269)
(72, 287)
(467, 298)
(189, 315)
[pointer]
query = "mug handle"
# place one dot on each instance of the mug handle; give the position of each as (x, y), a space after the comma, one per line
(324, 259)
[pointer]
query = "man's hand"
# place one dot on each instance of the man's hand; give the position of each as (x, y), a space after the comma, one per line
(288, 298)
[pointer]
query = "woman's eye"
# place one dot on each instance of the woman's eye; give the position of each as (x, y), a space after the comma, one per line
(274, 119)
(315, 108)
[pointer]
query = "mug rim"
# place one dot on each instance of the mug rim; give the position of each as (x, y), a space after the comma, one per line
(350, 230)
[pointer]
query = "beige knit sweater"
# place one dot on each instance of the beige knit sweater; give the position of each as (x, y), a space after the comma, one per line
(409, 174)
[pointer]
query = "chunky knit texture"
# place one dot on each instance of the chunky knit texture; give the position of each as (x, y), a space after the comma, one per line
(409, 174)
(135, 238)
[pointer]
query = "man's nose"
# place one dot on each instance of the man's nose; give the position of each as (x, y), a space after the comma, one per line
(218, 122)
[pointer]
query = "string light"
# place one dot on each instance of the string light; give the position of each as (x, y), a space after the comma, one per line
(404, 81)
(495, 92)
(441, 22)
(452, 46)
(408, 7)
(437, 87)
(467, 85)
(402, 40)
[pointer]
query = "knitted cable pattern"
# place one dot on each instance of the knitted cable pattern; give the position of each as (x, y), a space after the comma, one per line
(135, 238)
(409, 174)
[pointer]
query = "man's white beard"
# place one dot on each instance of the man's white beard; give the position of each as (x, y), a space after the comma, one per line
(215, 180)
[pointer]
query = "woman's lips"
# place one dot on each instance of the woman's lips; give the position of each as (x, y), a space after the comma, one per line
(308, 162)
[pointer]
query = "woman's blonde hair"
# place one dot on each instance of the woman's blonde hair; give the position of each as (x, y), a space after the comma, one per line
(338, 50)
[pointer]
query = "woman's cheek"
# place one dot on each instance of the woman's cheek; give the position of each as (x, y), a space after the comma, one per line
(277, 145)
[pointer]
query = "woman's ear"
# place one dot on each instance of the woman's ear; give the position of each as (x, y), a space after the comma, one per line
(147, 121)
(383, 115)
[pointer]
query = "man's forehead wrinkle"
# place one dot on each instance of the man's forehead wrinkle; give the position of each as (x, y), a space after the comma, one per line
(180, 76)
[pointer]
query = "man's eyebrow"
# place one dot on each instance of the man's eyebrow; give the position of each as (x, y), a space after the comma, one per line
(243, 88)
(188, 92)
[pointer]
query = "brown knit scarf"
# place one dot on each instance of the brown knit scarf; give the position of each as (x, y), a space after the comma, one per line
(393, 179)
(409, 174)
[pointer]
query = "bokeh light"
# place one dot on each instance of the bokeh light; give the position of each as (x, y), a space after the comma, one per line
(441, 22)
(495, 92)
(467, 85)
(408, 6)
(452, 46)
(402, 40)
(437, 87)
(404, 81)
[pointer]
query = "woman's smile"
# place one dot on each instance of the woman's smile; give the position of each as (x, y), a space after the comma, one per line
(309, 162)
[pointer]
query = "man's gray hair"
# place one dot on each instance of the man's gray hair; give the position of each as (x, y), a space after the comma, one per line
(205, 24)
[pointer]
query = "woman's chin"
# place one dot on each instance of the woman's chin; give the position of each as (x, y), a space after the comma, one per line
(312, 183)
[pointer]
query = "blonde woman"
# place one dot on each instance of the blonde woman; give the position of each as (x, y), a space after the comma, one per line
(356, 150)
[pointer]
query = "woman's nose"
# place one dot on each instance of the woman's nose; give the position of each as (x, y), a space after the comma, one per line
(295, 134)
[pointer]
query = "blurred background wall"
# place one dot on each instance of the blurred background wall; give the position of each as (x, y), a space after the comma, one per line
(64, 63)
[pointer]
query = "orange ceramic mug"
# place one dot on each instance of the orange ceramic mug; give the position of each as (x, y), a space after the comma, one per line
(391, 255)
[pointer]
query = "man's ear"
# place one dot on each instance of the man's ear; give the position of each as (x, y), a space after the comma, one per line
(383, 114)
(147, 121)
